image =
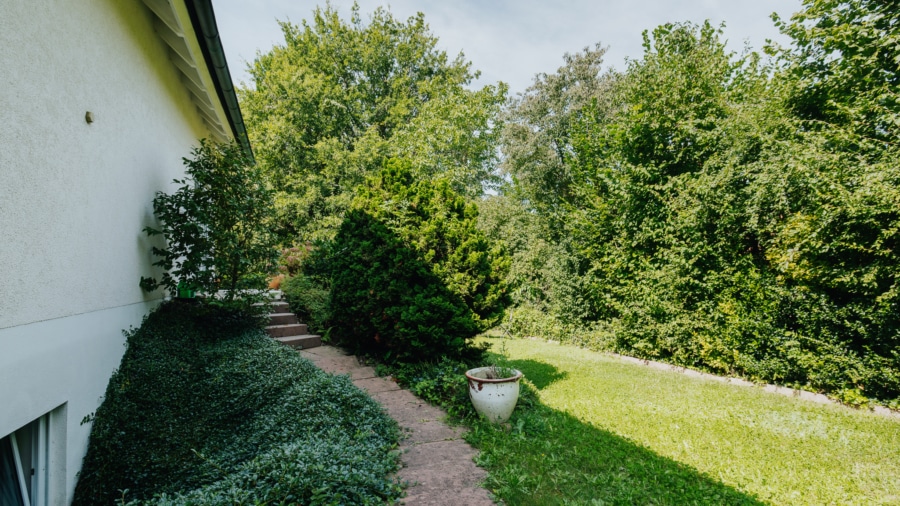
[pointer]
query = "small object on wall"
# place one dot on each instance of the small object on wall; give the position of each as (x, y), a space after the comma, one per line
(89, 117)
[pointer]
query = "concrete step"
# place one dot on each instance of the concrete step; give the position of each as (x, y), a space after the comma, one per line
(290, 329)
(301, 342)
(282, 318)
(279, 306)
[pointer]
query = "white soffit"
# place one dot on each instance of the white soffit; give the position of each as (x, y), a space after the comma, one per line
(173, 25)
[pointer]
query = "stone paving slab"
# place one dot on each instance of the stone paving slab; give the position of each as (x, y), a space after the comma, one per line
(364, 372)
(375, 385)
(437, 463)
(470, 496)
(336, 365)
(326, 351)
(423, 423)
(443, 473)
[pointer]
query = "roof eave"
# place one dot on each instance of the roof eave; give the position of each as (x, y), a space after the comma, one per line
(204, 20)
(188, 28)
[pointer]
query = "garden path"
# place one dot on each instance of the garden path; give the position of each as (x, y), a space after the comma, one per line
(437, 463)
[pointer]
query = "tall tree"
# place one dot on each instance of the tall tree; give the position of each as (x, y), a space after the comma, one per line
(337, 99)
(837, 240)
(845, 61)
(537, 130)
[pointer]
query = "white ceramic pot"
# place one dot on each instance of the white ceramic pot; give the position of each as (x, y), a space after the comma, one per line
(493, 399)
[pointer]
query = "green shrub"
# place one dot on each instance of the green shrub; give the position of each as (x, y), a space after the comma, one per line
(430, 218)
(386, 300)
(718, 213)
(200, 413)
(442, 383)
(216, 226)
(309, 300)
(411, 277)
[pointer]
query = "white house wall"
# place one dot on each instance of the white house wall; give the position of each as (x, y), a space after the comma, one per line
(74, 197)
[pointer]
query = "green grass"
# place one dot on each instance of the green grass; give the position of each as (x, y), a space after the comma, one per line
(603, 431)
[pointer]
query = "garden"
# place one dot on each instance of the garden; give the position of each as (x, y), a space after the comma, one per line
(731, 214)
(592, 429)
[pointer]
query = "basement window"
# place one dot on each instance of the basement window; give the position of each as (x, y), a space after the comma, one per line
(23, 465)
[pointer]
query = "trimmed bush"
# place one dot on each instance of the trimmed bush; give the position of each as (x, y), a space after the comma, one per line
(205, 409)
(430, 218)
(411, 277)
(386, 300)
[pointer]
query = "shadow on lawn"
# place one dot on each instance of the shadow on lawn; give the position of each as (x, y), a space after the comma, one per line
(547, 456)
(541, 375)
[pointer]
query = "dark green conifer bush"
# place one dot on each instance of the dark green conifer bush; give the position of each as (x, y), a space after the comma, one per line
(411, 276)
(386, 300)
(428, 216)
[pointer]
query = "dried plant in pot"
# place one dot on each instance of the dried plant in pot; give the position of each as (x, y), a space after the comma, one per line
(494, 391)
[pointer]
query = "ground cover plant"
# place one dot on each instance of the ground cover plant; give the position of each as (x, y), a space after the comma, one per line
(206, 409)
(592, 429)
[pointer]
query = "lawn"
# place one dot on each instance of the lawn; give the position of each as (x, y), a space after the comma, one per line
(603, 431)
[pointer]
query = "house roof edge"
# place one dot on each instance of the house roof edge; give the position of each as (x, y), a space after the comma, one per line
(203, 20)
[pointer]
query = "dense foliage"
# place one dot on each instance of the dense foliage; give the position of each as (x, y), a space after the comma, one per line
(410, 276)
(441, 226)
(309, 300)
(386, 300)
(338, 98)
(537, 133)
(728, 212)
(216, 226)
(721, 212)
(205, 409)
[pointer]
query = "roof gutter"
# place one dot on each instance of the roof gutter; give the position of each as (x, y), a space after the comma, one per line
(204, 20)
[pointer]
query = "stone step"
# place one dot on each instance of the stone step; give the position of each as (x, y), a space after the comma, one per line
(282, 318)
(303, 342)
(279, 306)
(290, 329)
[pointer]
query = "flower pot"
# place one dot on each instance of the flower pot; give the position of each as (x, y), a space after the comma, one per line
(493, 399)
(185, 291)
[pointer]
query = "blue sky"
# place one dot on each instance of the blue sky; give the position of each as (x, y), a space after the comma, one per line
(509, 40)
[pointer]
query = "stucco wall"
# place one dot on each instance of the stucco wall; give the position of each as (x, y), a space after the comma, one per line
(74, 195)
(63, 363)
(73, 200)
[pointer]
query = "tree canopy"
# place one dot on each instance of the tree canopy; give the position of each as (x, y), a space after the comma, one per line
(723, 211)
(737, 213)
(338, 98)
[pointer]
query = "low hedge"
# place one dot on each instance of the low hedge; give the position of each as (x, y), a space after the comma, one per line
(205, 409)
